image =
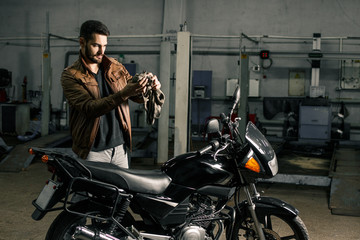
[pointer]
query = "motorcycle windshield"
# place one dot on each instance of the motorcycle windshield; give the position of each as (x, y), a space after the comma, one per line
(262, 148)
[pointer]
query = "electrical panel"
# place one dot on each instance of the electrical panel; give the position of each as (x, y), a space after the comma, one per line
(350, 74)
(254, 86)
(231, 84)
(297, 83)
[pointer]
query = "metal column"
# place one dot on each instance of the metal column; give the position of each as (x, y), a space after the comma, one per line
(46, 83)
(315, 71)
(182, 93)
(163, 130)
(244, 88)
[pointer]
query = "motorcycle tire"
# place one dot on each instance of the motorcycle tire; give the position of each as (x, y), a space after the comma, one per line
(63, 227)
(277, 227)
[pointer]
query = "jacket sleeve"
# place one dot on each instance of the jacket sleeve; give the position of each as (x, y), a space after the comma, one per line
(83, 96)
(139, 98)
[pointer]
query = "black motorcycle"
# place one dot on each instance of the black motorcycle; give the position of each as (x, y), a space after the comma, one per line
(194, 196)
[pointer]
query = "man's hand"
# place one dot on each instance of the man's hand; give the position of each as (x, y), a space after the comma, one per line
(135, 88)
(139, 83)
(155, 83)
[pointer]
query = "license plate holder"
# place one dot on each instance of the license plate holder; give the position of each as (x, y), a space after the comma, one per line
(46, 194)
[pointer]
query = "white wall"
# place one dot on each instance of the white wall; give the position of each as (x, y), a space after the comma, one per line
(27, 18)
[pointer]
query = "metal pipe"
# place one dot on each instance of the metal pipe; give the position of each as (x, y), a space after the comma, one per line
(62, 38)
(252, 37)
(142, 36)
(46, 83)
(72, 38)
(87, 234)
(154, 236)
(215, 36)
(20, 38)
(165, 75)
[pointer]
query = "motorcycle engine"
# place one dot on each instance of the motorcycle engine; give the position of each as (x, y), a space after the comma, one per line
(201, 210)
(192, 233)
(201, 213)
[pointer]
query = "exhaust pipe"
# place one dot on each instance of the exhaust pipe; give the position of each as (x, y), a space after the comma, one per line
(83, 233)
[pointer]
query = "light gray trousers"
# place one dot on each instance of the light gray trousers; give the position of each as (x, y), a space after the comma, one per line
(116, 155)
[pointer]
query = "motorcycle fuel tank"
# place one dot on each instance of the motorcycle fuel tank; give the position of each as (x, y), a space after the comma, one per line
(196, 171)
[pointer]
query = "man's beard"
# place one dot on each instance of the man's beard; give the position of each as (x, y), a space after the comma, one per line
(91, 57)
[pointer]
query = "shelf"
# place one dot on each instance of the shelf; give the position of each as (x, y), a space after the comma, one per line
(348, 89)
(260, 99)
(346, 101)
(335, 100)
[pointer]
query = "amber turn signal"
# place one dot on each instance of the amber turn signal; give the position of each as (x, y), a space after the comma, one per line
(31, 151)
(253, 165)
(45, 158)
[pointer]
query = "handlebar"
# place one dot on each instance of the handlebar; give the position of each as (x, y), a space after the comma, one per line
(213, 145)
(231, 126)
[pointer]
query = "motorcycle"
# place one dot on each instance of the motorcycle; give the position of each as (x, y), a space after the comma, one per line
(193, 196)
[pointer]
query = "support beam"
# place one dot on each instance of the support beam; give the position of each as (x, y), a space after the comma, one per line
(46, 82)
(163, 130)
(315, 71)
(244, 89)
(45, 100)
(182, 93)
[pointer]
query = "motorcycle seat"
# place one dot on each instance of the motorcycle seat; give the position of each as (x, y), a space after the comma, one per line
(134, 180)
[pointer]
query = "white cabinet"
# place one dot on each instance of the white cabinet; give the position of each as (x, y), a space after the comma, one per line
(315, 122)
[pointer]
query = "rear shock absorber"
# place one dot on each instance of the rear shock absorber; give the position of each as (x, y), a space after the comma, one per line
(120, 213)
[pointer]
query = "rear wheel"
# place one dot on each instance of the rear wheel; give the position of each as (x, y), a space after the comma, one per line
(275, 227)
(65, 224)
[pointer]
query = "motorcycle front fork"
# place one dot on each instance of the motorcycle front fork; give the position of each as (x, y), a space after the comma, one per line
(251, 207)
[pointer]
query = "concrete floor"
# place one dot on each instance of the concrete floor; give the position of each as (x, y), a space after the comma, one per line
(19, 189)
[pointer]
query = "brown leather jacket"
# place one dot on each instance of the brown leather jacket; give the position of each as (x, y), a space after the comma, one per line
(86, 106)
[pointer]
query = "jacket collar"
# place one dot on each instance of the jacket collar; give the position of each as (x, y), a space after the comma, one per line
(105, 62)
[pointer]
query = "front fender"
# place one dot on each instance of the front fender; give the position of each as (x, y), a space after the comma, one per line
(268, 206)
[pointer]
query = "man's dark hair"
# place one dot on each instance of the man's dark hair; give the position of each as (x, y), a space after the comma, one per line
(92, 26)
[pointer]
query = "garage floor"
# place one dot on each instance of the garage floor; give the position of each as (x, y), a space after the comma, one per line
(18, 189)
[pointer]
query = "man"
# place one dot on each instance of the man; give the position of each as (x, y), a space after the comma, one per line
(97, 89)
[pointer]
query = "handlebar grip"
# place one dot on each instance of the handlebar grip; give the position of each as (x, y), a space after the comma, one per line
(223, 118)
(213, 145)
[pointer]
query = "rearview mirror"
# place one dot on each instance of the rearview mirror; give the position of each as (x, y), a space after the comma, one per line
(213, 126)
(236, 99)
(236, 96)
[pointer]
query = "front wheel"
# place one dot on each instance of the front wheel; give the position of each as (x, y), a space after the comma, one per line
(275, 227)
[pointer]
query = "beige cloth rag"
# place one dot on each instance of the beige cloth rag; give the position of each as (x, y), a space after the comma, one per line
(153, 100)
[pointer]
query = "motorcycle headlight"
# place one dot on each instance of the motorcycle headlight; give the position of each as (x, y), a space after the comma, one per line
(273, 165)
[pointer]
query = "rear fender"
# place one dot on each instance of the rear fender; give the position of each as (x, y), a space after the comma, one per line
(39, 213)
(268, 206)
